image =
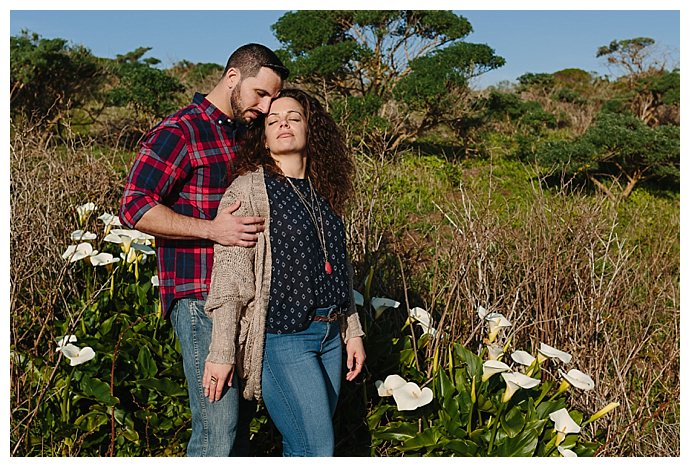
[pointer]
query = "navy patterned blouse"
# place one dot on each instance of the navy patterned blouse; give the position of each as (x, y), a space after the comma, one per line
(299, 283)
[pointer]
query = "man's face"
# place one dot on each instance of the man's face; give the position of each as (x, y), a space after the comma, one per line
(252, 96)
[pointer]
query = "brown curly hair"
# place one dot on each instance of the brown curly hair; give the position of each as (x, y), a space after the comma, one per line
(329, 162)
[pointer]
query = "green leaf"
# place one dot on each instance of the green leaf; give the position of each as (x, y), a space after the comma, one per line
(547, 407)
(165, 386)
(374, 417)
(426, 438)
(523, 445)
(513, 422)
(397, 431)
(147, 365)
(472, 360)
(461, 447)
(91, 420)
(98, 390)
(446, 388)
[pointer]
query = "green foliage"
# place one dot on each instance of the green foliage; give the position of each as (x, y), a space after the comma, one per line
(527, 114)
(474, 414)
(618, 145)
(444, 72)
(48, 77)
(142, 87)
(131, 398)
(414, 62)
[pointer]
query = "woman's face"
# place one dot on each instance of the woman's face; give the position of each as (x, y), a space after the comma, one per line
(286, 128)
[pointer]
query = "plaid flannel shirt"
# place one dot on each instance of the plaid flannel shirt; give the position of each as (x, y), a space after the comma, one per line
(185, 163)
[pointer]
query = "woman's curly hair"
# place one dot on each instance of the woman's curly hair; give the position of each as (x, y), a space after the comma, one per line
(329, 162)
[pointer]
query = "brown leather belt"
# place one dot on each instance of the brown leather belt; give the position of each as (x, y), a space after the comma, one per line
(327, 319)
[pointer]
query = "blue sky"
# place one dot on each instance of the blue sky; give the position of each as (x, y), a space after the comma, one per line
(529, 40)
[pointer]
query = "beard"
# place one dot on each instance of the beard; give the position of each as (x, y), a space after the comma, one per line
(236, 103)
(238, 112)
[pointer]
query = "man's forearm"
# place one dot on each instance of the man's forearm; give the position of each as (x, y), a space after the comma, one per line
(161, 221)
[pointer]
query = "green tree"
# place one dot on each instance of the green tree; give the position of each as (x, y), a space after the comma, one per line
(635, 55)
(408, 69)
(49, 77)
(618, 146)
(148, 91)
(649, 90)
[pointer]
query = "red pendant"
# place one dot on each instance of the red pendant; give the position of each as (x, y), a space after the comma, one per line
(329, 269)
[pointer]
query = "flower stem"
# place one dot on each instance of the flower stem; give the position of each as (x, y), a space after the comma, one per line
(495, 428)
(65, 404)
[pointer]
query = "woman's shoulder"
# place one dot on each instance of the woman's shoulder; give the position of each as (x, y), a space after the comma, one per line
(244, 182)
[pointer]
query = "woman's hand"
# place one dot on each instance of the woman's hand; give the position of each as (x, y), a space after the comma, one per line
(355, 357)
(216, 375)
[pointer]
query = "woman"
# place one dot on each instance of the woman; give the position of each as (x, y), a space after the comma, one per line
(282, 309)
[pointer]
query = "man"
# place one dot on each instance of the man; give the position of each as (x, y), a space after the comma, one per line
(173, 191)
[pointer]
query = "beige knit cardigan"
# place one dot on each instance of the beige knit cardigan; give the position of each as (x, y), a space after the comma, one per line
(240, 284)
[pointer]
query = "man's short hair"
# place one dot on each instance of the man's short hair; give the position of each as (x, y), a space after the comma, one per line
(250, 58)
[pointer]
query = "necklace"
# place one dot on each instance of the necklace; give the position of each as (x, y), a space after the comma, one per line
(312, 213)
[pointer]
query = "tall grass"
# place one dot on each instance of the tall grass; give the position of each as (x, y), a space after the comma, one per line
(575, 271)
(572, 270)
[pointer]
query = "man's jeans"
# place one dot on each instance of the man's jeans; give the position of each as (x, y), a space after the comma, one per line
(300, 385)
(214, 425)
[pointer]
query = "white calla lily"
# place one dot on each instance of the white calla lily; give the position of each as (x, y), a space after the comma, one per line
(80, 235)
(496, 322)
(76, 355)
(392, 382)
(515, 381)
(78, 252)
(522, 357)
(63, 341)
(410, 396)
(145, 249)
(113, 238)
(359, 298)
(423, 318)
(482, 312)
(578, 379)
(563, 424)
(154, 280)
(492, 367)
(84, 210)
(110, 219)
(551, 352)
(136, 235)
(566, 452)
(382, 304)
(494, 351)
(103, 259)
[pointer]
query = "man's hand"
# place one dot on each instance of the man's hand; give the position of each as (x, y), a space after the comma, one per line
(230, 230)
(355, 357)
(216, 376)
(226, 229)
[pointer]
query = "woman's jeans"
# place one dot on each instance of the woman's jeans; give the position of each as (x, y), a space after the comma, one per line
(214, 425)
(300, 383)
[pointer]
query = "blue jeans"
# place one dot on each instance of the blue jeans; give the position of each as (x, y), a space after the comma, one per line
(214, 425)
(300, 383)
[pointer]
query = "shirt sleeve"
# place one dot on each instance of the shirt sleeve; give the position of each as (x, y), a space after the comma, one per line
(232, 286)
(161, 164)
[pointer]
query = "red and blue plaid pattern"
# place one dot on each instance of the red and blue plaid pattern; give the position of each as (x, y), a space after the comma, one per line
(185, 163)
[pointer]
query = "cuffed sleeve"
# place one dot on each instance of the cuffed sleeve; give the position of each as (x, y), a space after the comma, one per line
(350, 325)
